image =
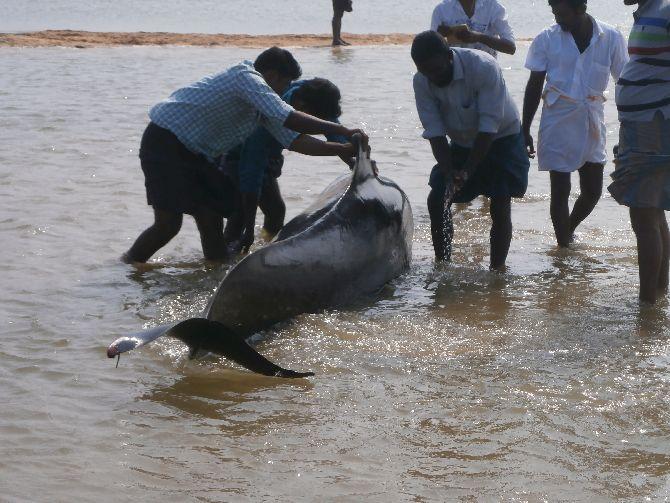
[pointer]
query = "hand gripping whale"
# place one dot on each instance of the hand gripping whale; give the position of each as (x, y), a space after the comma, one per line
(348, 244)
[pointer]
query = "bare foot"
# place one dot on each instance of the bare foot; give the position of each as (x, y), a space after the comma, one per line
(337, 43)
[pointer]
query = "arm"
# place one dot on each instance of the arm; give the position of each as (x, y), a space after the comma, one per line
(531, 102)
(496, 43)
(304, 123)
(442, 153)
(334, 138)
(499, 44)
(308, 145)
(537, 62)
(479, 151)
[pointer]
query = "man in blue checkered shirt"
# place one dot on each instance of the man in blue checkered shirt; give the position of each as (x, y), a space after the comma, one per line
(199, 123)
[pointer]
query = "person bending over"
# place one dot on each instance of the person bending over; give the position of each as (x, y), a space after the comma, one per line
(198, 124)
(255, 166)
(461, 96)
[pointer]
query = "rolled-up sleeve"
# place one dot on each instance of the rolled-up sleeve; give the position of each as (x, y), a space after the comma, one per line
(491, 96)
(251, 87)
(428, 108)
(537, 58)
(500, 24)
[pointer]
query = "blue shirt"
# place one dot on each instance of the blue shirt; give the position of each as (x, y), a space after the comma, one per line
(220, 111)
(255, 153)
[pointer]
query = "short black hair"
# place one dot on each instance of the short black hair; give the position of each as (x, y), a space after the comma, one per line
(575, 4)
(279, 60)
(428, 44)
(321, 96)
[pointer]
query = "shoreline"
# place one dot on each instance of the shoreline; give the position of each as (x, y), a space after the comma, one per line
(85, 39)
(89, 39)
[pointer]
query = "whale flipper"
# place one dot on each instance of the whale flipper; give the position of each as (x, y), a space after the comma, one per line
(201, 334)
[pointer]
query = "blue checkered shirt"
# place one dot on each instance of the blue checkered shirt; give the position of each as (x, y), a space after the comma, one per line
(220, 111)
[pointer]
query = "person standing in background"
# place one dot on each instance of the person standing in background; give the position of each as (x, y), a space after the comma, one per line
(642, 160)
(576, 57)
(474, 24)
(339, 8)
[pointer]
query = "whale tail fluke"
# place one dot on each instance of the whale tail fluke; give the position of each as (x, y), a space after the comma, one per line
(201, 334)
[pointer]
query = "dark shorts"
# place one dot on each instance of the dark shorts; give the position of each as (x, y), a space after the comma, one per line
(180, 181)
(502, 173)
(343, 5)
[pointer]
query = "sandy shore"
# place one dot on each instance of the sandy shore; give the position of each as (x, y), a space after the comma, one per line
(83, 39)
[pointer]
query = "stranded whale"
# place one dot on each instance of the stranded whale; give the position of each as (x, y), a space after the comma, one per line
(351, 241)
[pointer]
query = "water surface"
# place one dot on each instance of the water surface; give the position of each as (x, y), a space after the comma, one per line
(256, 17)
(544, 383)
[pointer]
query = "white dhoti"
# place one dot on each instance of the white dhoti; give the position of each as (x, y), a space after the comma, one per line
(572, 132)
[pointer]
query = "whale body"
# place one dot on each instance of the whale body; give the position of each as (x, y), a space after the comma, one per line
(349, 243)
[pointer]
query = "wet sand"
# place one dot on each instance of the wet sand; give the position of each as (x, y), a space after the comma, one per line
(82, 39)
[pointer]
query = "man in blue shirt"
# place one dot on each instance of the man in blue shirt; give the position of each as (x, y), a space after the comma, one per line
(198, 124)
(255, 165)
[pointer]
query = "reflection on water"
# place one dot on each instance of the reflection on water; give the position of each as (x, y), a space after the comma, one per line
(547, 382)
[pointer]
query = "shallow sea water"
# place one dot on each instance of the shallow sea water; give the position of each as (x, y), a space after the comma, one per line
(545, 383)
(264, 16)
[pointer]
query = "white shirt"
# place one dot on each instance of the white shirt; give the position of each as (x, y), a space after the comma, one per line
(476, 100)
(573, 74)
(572, 127)
(490, 18)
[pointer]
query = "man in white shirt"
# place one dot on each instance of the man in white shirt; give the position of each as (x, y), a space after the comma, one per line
(576, 57)
(461, 94)
(474, 24)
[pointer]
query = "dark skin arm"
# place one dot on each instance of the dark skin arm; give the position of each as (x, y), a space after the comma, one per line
(479, 151)
(464, 34)
(303, 144)
(442, 153)
(307, 124)
(531, 102)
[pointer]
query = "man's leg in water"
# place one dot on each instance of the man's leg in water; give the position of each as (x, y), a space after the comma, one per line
(560, 207)
(591, 188)
(166, 226)
(501, 230)
(436, 212)
(647, 228)
(210, 225)
(273, 207)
